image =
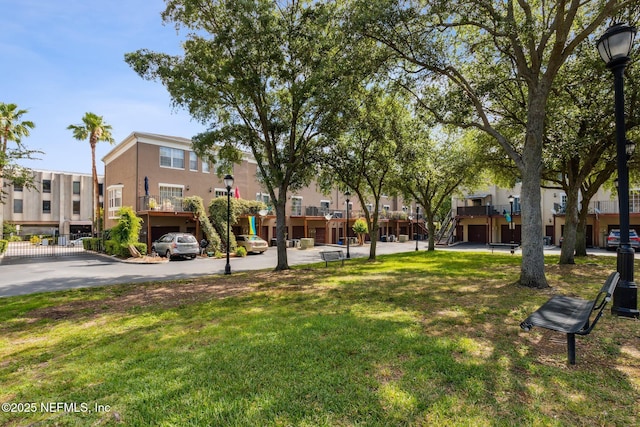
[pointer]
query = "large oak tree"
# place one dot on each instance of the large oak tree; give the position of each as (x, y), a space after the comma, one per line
(266, 76)
(473, 57)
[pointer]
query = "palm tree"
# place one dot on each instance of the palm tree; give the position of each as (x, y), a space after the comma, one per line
(12, 128)
(95, 129)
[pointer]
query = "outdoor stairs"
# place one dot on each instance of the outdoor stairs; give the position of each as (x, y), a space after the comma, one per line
(444, 236)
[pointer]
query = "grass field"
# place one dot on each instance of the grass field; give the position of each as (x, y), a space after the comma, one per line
(423, 338)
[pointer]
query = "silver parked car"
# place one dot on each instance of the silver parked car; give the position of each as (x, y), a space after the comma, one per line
(613, 240)
(252, 243)
(172, 245)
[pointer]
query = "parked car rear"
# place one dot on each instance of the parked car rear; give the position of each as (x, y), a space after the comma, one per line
(173, 245)
(252, 243)
(613, 240)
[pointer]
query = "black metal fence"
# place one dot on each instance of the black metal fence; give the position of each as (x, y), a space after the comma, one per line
(36, 247)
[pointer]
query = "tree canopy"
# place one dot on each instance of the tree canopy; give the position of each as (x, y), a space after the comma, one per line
(266, 76)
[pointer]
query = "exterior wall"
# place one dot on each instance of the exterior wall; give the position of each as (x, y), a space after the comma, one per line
(138, 156)
(60, 219)
(491, 203)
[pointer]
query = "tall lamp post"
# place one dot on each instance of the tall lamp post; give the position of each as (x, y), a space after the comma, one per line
(614, 47)
(228, 182)
(347, 194)
(512, 225)
(417, 216)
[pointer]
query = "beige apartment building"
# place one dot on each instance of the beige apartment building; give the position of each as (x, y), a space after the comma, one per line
(482, 216)
(153, 173)
(61, 204)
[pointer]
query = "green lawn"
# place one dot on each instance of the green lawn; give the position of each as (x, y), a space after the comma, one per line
(413, 339)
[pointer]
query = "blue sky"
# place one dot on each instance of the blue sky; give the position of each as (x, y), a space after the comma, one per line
(61, 59)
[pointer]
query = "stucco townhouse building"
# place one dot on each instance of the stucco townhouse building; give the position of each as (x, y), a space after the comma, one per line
(493, 215)
(153, 173)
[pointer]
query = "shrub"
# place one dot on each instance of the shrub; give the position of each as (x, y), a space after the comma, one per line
(111, 247)
(3, 246)
(241, 251)
(15, 239)
(35, 240)
(128, 228)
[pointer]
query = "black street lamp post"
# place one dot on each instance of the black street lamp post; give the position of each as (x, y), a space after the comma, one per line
(614, 47)
(228, 182)
(347, 194)
(512, 225)
(417, 217)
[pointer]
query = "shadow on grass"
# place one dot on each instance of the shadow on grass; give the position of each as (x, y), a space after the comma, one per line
(403, 345)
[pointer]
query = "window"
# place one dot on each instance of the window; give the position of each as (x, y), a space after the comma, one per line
(46, 186)
(76, 207)
(76, 187)
(205, 167)
(296, 205)
(17, 206)
(634, 201)
(263, 197)
(193, 161)
(171, 158)
(386, 208)
(369, 207)
(324, 206)
(220, 192)
(115, 200)
(17, 187)
(100, 189)
(46, 206)
(170, 191)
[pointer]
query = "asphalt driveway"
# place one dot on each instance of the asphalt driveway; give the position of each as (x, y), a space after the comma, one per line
(30, 275)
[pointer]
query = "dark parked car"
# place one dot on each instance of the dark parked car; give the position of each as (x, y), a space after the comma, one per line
(613, 240)
(176, 245)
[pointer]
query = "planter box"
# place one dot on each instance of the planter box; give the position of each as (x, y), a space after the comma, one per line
(403, 238)
(306, 243)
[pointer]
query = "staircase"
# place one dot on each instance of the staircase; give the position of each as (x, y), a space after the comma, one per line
(444, 236)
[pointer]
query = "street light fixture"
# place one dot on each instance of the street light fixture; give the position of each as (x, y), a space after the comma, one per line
(614, 47)
(327, 237)
(228, 183)
(347, 194)
(262, 213)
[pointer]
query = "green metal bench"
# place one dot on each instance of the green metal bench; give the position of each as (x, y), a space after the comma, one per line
(328, 256)
(572, 315)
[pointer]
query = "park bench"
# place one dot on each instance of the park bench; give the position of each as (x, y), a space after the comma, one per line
(572, 315)
(327, 256)
(511, 246)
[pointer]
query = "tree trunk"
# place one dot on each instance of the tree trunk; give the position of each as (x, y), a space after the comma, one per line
(281, 229)
(581, 232)
(569, 241)
(431, 228)
(96, 187)
(374, 240)
(532, 267)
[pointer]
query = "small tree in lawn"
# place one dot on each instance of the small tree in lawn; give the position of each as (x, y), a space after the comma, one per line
(360, 228)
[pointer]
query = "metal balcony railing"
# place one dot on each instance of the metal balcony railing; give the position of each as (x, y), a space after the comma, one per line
(164, 204)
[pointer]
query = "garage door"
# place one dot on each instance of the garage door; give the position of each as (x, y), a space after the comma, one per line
(477, 233)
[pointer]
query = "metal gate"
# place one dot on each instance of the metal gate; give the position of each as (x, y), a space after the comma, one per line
(61, 245)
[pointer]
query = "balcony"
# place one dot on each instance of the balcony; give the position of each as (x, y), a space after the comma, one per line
(611, 207)
(165, 204)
